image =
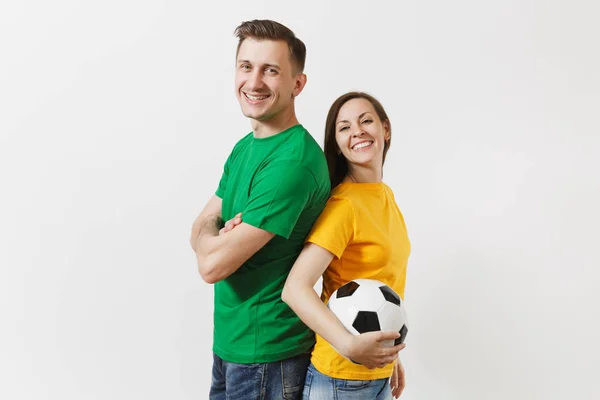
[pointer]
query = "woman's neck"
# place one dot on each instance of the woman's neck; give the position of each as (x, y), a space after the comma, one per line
(363, 174)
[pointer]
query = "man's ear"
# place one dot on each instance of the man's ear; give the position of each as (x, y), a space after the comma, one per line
(299, 84)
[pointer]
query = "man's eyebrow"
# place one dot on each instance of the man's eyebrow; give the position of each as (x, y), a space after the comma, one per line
(240, 61)
(273, 66)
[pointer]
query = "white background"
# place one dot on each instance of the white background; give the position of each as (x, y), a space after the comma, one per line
(116, 118)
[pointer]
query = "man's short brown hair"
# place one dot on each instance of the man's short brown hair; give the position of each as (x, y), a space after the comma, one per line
(271, 30)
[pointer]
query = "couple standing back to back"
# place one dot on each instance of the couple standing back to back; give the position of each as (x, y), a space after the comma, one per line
(295, 213)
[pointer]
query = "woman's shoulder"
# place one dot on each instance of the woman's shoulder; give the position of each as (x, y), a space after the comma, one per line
(340, 191)
(355, 191)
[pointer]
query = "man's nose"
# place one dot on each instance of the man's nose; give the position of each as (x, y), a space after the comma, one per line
(255, 82)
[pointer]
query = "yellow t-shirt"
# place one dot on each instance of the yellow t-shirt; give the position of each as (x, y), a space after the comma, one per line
(364, 228)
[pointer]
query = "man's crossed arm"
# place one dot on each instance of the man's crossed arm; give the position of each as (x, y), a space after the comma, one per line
(219, 256)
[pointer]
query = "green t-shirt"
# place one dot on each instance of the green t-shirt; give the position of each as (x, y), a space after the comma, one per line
(280, 184)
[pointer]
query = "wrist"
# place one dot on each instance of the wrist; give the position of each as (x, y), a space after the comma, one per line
(346, 344)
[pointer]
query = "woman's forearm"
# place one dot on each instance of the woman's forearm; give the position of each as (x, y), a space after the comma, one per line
(308, 306)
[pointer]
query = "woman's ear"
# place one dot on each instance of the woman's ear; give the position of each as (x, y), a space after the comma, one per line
(387, 132)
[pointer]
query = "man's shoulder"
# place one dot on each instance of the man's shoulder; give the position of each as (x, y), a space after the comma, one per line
(240, 146)
(307, 139)
(243, 142)
(303, 150)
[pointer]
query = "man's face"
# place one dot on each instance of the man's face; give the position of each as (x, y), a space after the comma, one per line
(265, 79)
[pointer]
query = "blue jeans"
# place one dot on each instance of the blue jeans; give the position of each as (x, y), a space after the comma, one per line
(322, 387)
(279, 380)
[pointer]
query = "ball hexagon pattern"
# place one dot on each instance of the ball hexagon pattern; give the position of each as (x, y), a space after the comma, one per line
(367, 305)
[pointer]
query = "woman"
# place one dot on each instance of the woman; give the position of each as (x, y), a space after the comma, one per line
(360, 234)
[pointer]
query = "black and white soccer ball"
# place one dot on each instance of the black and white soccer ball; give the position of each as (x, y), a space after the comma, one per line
(366, 305)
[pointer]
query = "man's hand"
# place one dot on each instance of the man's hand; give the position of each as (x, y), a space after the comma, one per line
(398, 380)
(232, 223)
(367, 349)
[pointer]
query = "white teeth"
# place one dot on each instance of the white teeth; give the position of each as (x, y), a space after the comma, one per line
(361, 145)
(255, 98)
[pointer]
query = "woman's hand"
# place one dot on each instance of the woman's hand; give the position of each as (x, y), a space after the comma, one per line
(398, 382)
(367, 349)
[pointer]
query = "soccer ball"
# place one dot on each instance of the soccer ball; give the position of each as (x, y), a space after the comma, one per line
(366, 305)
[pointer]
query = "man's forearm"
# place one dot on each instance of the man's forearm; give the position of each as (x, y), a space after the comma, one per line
(207, 246)
(205, 225)
(210, 210)
(210, 226)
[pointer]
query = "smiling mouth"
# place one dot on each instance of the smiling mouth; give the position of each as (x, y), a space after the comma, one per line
(255, 98)
(363, 145)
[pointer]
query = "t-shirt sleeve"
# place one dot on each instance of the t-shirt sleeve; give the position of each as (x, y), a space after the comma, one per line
(279, 194)
(334, 229)
(220, 192)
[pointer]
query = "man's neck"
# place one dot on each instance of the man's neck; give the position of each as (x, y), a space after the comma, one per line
(271, 127)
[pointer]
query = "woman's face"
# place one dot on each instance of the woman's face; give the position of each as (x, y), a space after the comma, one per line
(360, 134)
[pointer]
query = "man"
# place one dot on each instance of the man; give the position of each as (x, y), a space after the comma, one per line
(276, 181)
